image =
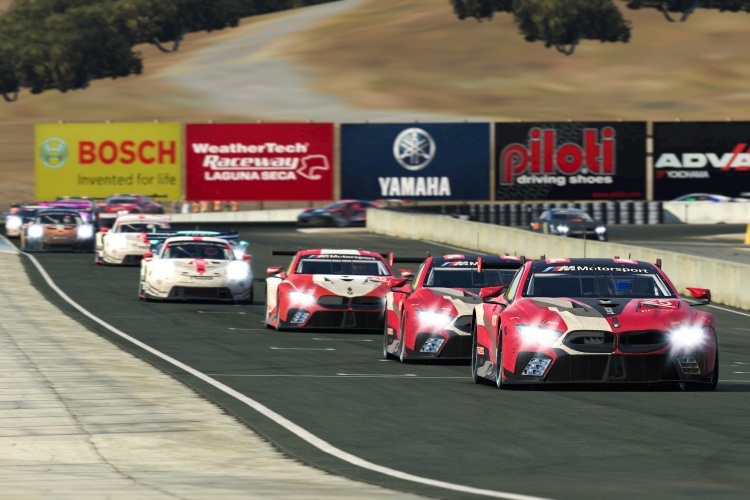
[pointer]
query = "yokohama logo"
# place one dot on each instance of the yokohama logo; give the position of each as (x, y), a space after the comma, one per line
(544, 156)
(738, 159)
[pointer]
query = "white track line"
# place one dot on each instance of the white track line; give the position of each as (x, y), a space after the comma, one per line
(277, 418)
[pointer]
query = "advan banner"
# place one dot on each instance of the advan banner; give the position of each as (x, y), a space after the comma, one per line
(703, 157)
(429, 161)
(259, 161)
(570, 160)
(100, 159)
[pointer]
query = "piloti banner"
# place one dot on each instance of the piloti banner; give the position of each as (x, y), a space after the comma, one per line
(100, 159)
(259, 161)
(571, 160)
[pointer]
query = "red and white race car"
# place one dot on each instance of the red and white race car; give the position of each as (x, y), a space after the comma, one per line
(595, 321)
(430, 318)
(331, 289)
(127, 240)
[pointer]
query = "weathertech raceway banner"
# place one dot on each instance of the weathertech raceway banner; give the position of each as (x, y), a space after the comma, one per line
(259, 161)
(429, 161)
(100, 159)
(703, 157)
(571, 160)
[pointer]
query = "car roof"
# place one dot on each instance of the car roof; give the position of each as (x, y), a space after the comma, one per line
(188, 239)
(66, 211)
(126, 219)
(329, 251)
(603, 263)
(470, 260)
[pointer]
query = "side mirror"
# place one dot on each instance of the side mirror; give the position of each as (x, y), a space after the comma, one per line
(104, 230)
(703, 294)
(401, 289)
(148, 255)
(406, 273)
(244, 244)
(488, 292)
(247, 257)
(274, 270)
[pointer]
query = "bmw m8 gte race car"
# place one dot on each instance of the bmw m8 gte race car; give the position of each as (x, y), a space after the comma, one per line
(430, 318)
(332, 289)
(57, 229)
(196, 268)
(128, 239)
(595, 321)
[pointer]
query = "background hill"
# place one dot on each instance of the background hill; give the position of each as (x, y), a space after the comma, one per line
(403, 59)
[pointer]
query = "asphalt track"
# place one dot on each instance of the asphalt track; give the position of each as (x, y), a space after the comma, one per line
(429, 420)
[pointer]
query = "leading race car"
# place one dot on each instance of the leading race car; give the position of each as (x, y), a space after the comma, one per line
(569, 222)
(332, 289)
(128, 239)
(196, 268)
(57, 229)
(595, 321)
(430, 318)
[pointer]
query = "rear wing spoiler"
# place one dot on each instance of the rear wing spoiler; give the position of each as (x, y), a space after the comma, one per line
(508, 262)
(284, 252)
(394, 259)
(157, 237)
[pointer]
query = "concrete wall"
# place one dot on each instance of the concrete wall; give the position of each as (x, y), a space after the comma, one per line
(706, 212)
(729, 282)
(281, 215)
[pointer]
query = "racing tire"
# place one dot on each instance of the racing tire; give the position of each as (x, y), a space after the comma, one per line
(499, 371)
(386, 354)
(402, 347)
(141, 294)
(474, 358)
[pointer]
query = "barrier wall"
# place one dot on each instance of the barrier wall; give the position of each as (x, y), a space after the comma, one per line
(280, 215)
(727, 280)
(706, 212)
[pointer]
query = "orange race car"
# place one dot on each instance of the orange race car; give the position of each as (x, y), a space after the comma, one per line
(58, 229)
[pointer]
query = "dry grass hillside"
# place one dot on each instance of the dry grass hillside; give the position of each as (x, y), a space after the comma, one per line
(414, 54)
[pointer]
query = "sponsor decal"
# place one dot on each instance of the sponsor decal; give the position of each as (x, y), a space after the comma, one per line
(480, 350)
(738, 159)
(330, 256)
(414, 186)
(659, 304)
(460, 263)
(565, 269)
(53, 152)
(414, 149)
(535, 163)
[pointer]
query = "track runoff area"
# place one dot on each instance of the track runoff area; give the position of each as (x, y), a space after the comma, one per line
(329, 399)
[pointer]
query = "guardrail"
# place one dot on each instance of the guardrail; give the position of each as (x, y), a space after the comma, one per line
(727, 280)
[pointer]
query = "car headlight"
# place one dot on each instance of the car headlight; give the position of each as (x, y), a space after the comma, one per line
(687, 336)
(537, 334)
(85, 232)
(13, 222)
(117, 241)
(238, 271)
(35, 231)
(434, 320)
(301, 299)
(600, 230)
(562, 229)
(162, 270)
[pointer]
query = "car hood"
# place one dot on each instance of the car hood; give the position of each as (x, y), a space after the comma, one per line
(200, 267)
(616, 315)
(455, 301)
(344, 285)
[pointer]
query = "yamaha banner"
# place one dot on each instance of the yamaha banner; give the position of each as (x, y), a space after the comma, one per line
(705, 157)
(428, 161)
(571, 160)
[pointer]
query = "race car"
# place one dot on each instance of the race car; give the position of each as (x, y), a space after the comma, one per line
(342, 213)
(196, 268)
(127, 241)
(122, 204)
(570, 222)
(332, 289)
(239, 248)
(430, 318)
(86, 209)
(57, 229)
(595, 321)
(21, 216)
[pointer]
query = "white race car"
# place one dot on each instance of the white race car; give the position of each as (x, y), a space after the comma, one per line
(196, 268)
(127, 240)
(15, 221)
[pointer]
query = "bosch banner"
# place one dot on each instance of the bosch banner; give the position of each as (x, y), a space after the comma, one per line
(259, 161)
(435, 161)
(571, 160)
(100, 159)
(704, 157)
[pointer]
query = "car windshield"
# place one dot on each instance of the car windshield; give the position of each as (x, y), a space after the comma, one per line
(597, 284)
(197, 250)
(468, 277)
(343, 265)
(58, 218)
(571, 216)
(120, 200)
(141, 227)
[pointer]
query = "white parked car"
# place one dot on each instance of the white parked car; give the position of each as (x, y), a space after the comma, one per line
(127, 240)
(196, 268)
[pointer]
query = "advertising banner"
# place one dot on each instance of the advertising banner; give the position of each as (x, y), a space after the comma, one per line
(259, 161)
(701, 157)
(100, 159)
(429, 161)
(571, 160)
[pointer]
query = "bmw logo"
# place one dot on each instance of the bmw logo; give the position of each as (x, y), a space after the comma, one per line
(53, 153)
(414, 149)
